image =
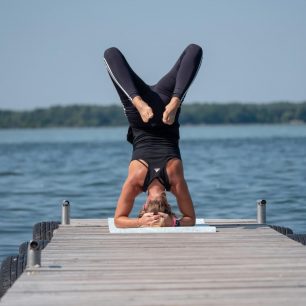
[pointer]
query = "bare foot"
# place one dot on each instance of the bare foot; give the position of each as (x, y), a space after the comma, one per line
(170, 110)
(143, 108)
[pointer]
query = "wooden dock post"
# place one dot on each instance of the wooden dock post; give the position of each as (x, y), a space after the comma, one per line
(261, 211)
(65, 213)
(33, 255)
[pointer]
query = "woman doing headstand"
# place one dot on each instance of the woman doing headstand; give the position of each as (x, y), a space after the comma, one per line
(153, 113)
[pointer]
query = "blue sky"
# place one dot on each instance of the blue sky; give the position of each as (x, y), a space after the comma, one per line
(51, 51)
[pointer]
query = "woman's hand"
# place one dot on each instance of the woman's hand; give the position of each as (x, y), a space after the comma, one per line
(168, 220)
(149, 219)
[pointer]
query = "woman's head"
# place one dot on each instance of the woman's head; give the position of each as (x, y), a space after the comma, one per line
(156, 205)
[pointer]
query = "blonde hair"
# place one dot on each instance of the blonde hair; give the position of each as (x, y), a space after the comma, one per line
(157, 205)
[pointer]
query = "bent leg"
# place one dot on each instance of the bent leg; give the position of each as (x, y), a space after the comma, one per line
(178, 80)
(122, 74)
(128, 84)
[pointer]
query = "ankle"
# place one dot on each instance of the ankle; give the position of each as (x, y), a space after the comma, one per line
(175, 99)
(136, 99)
(174, 103)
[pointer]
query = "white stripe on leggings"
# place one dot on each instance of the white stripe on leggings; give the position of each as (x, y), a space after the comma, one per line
(115, 80)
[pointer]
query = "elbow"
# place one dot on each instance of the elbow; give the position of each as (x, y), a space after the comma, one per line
(117, 222)
(192, 221)
(188, 220)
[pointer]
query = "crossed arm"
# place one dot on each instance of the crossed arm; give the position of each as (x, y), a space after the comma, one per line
(132, 188)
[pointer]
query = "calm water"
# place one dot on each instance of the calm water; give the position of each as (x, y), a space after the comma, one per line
(227, 168)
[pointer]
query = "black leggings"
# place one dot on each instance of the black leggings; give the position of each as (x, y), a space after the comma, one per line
(174, 84)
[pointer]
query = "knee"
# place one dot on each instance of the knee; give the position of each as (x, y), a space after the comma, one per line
(195, 49)
(111, 52)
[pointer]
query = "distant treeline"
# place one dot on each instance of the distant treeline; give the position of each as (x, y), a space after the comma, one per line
(196, 113)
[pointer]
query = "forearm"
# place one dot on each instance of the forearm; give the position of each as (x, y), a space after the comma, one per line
(170, 221)
(185, 204)
(125, 222)
(148, 219)
(125, 203)
(188, 215)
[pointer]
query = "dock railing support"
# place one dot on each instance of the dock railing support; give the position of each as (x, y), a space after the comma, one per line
(33, 255)
(261, 211)
(66, 213)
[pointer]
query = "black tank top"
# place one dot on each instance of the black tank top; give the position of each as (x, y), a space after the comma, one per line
(155, 147)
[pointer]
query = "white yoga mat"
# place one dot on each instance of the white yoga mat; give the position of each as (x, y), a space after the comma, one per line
(200, 227)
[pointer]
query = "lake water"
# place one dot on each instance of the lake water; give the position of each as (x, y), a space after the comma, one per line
(227, 168)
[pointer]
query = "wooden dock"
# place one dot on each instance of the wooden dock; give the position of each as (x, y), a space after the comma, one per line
(242, 264)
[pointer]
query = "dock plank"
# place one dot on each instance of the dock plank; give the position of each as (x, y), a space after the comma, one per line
(242, 264)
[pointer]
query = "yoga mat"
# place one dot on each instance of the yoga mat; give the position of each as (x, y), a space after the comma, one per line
(200, 227)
